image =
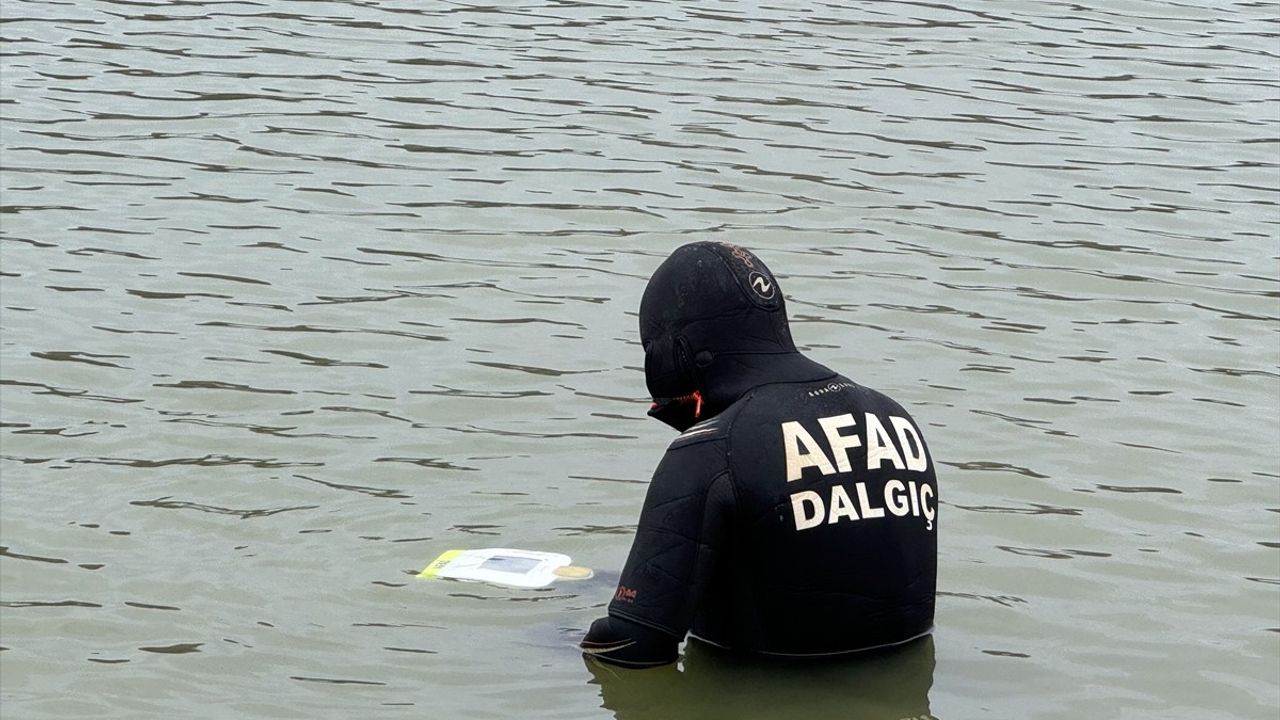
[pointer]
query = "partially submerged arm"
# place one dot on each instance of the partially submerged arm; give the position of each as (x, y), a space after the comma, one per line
(680, 533)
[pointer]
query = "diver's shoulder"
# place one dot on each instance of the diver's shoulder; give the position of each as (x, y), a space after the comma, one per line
(824, 395)
(704, 431)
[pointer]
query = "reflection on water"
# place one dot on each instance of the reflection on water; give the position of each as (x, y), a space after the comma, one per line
(709, 684)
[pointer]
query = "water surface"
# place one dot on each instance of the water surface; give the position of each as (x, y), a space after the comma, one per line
(298, 295)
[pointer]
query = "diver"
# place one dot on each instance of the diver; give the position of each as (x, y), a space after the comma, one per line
(796, 514)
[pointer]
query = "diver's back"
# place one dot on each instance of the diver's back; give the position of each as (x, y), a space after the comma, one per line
(833, 547)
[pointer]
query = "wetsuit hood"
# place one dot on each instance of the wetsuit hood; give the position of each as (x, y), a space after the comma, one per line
(713, 324)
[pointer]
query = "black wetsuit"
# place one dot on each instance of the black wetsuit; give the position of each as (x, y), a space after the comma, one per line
(796, 514)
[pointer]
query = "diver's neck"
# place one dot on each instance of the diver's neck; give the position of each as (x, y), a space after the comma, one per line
(732, 375)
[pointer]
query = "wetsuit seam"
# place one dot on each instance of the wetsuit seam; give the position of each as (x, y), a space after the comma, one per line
(737, 511)
(728, 467)
(693, 441)
(727, 313)
(703, 574)
(728, 446)
(647, 623)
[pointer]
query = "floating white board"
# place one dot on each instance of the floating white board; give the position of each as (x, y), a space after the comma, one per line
(505, 566)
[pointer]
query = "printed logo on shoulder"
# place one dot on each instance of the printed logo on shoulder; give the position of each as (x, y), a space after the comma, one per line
(625, 594)
(830, 388)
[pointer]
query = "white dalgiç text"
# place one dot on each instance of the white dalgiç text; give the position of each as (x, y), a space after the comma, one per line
(902, 449)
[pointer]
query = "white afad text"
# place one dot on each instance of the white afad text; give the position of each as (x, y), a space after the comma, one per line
(899, 499)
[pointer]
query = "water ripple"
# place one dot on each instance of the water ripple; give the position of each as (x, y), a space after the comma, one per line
(399, 248)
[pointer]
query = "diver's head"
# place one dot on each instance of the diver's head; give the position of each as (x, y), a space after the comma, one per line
(708, 302)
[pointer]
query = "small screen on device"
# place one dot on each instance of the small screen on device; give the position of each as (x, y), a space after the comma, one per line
(506, 563)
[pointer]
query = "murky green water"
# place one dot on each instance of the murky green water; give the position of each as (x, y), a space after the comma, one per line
(297, 295)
